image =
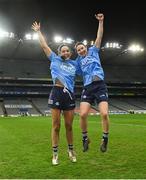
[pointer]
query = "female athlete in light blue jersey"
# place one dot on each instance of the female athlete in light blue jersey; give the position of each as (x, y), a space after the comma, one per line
(94, 86)
(63, 71)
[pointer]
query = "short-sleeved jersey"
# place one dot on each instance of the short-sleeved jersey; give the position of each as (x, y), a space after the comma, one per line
(63, 70)
(90, 65)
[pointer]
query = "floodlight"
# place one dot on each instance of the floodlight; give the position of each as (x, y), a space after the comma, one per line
(85, 42)
(58, 39)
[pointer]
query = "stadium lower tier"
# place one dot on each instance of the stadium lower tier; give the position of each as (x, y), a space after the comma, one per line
(24, 106)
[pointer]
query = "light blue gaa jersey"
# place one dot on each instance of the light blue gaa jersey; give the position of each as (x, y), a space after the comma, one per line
(90, 65)
(63, 70)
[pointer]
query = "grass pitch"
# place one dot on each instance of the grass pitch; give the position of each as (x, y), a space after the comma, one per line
(25, 149)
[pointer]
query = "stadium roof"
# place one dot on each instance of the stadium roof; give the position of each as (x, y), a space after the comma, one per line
(124, 20)
(123, 23)
(11, 49)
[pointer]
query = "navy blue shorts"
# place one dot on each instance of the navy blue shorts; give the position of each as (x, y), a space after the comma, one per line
(96, 91)
(61, 98)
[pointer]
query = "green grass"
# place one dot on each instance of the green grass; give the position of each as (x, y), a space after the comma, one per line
(25, 149)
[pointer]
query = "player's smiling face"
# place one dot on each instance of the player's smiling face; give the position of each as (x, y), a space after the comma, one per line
(65, 52)
(81, 50)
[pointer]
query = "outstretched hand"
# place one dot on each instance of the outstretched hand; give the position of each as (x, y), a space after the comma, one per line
(36, 26)
(99, 17)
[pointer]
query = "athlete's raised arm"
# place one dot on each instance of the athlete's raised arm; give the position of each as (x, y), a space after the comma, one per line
(36, 27)
(100, 18)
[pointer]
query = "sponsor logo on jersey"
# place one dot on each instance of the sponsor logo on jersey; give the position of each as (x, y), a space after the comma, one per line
(68, 68)
(86, 61)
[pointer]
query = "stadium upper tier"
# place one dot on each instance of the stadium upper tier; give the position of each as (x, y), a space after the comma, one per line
(26, 59)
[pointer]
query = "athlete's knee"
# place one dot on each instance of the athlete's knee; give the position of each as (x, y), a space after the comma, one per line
(83, 115)
(104, 115)
(68, 126)
(56, 126)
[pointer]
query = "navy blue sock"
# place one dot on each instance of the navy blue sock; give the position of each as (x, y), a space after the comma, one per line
(70, 147)
(85, 135)
(55, 150)
(105, 136)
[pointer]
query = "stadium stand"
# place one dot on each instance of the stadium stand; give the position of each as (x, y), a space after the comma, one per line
(25, 81)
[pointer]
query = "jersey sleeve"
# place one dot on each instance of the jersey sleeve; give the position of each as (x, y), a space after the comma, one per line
(52, 56)
(93, 51)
